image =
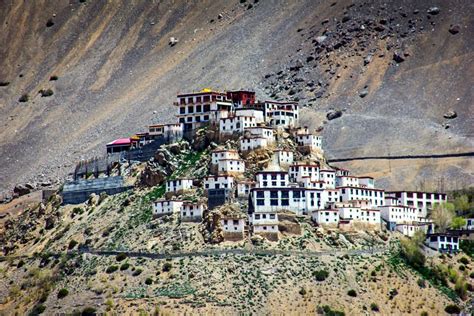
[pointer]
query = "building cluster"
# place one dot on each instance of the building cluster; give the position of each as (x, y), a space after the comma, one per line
(331, 196)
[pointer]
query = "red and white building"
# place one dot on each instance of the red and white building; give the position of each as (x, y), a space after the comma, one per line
(235, 124)
(281, 114)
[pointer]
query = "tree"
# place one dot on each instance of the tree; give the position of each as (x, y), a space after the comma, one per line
(410, 250)
(458, 222)
(442, 216)
(461, 204)
(419, 238)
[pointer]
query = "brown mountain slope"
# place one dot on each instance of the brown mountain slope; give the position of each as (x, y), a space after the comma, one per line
(115, 68)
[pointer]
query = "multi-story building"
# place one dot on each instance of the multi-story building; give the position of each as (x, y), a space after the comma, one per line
(328, 177)
(197, 109)
(218, 182)
(282, 158)
(241, 98)
(327, 217)
(235, 124)
(220, 154)
(375, 196)
(231, 166)
(422, 201)
(299, 171)
(281, 114)
(192, 211)
(271, 179)
(171, 132)
(257, 114)
(163, 207)
(309, 141)
(179, 185)
(244, 187)
(252, 143)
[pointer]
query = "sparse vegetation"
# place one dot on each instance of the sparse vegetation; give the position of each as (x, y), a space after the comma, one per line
(148, 281)
(137, 272)
(72, 244)
(352, 293)
(374, 307)
(121, 256)
(89, 311)
(124, 266)
(62, 293)
(328, 311)
(452, 309)
(321, 275)
(111, 269)
(167, 267)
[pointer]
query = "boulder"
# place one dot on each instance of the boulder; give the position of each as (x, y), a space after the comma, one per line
(21, 189)
(321, 39)
(152, 176)
(333, 114)
(454, 29)
(398, 58)
(364, 93)
(450, 115)
(433, 10)
(173, 41)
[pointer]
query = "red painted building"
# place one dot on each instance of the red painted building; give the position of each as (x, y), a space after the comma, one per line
(241, 98)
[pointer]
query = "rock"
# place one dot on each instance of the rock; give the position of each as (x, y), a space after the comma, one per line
(454, 29)
(49, 223)
(220, 16)
(379, 28)
(345, 18)
(152, 176)
(333, 114)
(398, 58)
(173, 41)
(368, 59)
(433, 10)
(321, 39)
(364, 93)
(21, 189)
(450, 115)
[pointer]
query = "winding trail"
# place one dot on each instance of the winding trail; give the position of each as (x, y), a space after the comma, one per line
(403, 157)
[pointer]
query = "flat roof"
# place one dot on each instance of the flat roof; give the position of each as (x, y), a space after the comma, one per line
(120, 141)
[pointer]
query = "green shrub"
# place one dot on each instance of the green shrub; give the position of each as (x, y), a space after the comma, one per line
(352, 293)
(20, 263)
(461, 288)
(148, 281)
(421, 283)
(302, 291)
(38, 309)
(111, 269)
(321, 275)
(167, 267)
(137, 272)
(462, 268)
(72, 244)
(424, 313)
(374, 307)
(464, 261)
(327, 311)
(124, 266)
(121, 256)
(472, 275)
(373, 273)
(452, 309)
(62, 293)
(89, 311)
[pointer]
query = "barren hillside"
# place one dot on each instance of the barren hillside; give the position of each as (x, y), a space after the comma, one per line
(116, 73)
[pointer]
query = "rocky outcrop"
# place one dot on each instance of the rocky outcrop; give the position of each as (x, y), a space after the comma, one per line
(333, 114)
(450, 115)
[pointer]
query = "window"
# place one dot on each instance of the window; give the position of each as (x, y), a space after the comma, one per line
(236, 222)
(260, 202)
(257, 216)
(198, 99)
(274, 195)
(198, 108)
(206, 117)
(190, 109)
(274, 202)
(272, 216)
(260, 194)
(182, 110)
(225, 222)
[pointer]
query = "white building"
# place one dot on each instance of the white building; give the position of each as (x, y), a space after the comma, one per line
(329, 217)
(231, 166)
(219, 182)
(328, 177)
(469, 224)
(271, 179)
(299, 171)
(255, 113)
(244, 187)
(312, 184)
(282, 158)
(261, 132)
(409, 229)
(220, 154)
(347, 181)
(166, 207)
(281, 114)
(366, 182)
(311, 141)
(233, 225)
(179, 185)
(252, 143)
(423, 201)
(374, 196)
(169, 131)
(264, 223)
(192, 211)
(357, 214)
(443, 242)
(235, 124)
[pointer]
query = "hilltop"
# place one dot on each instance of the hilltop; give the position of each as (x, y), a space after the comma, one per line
(111, 68)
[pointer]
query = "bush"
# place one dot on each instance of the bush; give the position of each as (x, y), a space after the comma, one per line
(62, 293)
(302, 291)
(472, 275)
(111, 269)
(121, 256)
(321, 275)
(49, 23)
(124, 266)
(424, 313)
(24, 98)
(464, 261)
(374, 307)
(327, 311)
(72, 244)
(412, 254)
(452, 309)
(38, 309)
(373, 273)
(167, 267)
(352, 293)
(462, 268)
(148, 281)
(20, 263)
(137, 272)
(421, 283)
(461, 288)
(89, 311)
